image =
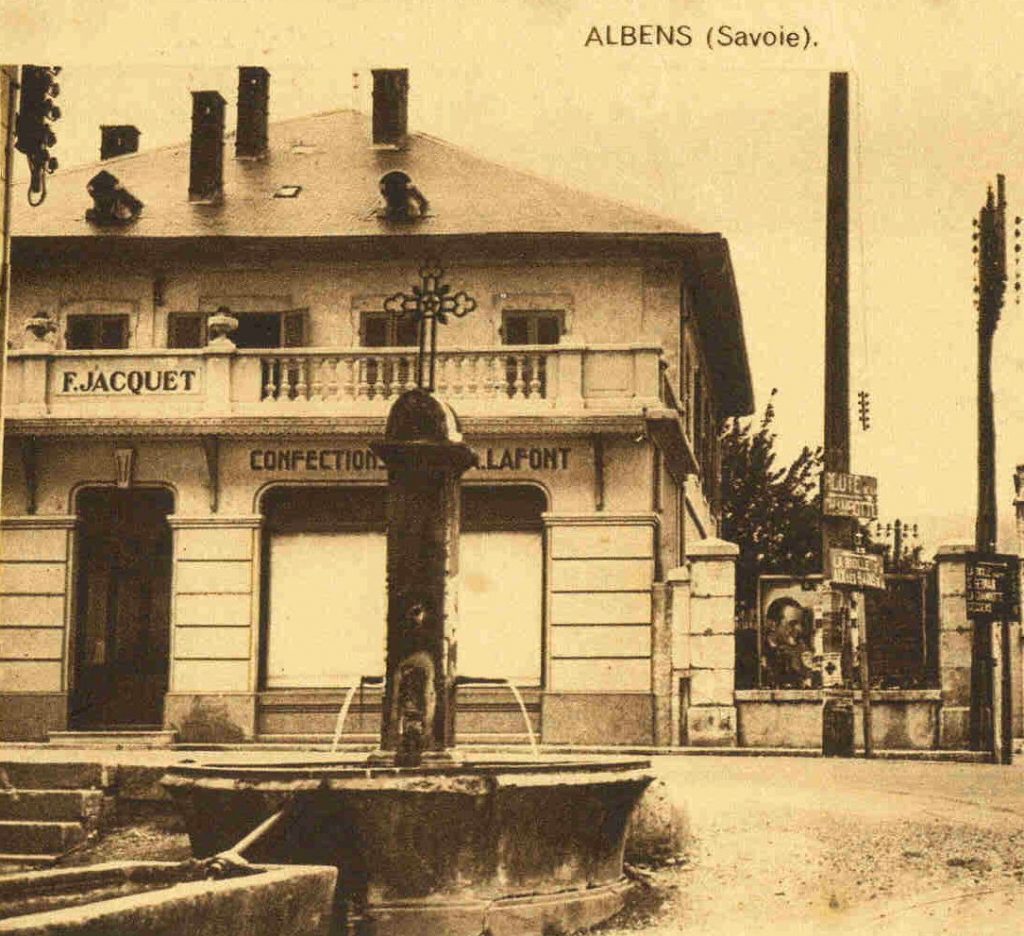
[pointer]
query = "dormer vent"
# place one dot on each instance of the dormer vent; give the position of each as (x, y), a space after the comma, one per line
(402, 200)
(113, 204)
(390, 107)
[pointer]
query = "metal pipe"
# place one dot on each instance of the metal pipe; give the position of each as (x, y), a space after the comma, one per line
(12, 75)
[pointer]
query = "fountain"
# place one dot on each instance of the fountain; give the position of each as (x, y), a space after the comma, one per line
(426, 838)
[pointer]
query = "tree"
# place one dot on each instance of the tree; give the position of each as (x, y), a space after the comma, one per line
(772, 514)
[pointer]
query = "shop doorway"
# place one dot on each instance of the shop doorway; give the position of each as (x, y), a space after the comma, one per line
(122, 608)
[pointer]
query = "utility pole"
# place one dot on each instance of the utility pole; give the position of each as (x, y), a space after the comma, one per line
(837, 708)
(990, 235)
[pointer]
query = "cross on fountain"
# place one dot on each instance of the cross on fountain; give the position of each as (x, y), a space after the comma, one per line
(430, 303)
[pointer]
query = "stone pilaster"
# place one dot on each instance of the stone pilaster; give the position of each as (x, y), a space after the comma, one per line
(34, 577)
(955, 635)
(661, 665)
(214, 640)
(711, 714)
(678, 583)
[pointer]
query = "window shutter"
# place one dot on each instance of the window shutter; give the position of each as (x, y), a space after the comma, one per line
(294, 328)
(186, 330)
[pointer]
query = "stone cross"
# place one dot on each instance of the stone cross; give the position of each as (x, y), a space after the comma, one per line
(430, 303)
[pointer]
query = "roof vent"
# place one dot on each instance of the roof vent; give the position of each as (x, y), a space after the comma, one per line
(118, 140)
(390, 106)
(113, 204)
(402, 200)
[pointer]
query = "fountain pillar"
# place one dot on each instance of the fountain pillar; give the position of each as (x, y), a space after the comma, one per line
(425, 458)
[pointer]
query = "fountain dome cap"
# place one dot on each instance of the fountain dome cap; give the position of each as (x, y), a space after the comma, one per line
(420, 422)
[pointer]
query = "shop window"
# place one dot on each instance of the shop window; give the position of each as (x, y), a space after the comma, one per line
(330, 541)
(90, 332)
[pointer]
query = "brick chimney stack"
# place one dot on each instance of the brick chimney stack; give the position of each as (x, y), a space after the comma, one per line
(118, 140)
(390, 106)
(206, 159)
(253, 101)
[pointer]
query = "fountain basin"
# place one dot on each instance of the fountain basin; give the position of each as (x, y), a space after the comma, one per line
(499, 845)
(151, 898)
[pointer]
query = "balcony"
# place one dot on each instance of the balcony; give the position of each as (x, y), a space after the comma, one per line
(215, 384)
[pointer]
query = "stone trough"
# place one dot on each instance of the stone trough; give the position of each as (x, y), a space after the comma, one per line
(502, 847)
(160, 899)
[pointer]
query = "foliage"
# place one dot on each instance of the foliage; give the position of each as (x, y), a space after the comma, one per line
(772, 513)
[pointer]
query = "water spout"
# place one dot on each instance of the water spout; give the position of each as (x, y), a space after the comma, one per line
(339, 725)
(504, 681)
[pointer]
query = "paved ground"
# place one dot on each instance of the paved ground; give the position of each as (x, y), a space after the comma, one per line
(785, 845)
(824, 846)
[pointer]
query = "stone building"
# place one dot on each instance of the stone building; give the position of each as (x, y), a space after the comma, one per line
(193, 522)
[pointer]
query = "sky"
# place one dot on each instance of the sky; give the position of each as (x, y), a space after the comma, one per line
(727, 138)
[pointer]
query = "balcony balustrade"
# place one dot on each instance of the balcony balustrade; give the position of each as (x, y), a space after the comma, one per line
(226, 382)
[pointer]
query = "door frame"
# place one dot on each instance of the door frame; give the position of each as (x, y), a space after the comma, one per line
(76, 584)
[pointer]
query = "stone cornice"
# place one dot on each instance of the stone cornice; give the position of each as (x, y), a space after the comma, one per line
(40, 521)
(550, 423)
(600, 519)
(239, 522)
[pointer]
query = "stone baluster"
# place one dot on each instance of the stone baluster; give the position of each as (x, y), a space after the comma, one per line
(351, 389)
(441, 374)
(409, 364)
(317, 366)
(378, 377)
(518, 382)
(471, 376)
(362, 384)
(298, 374)
(457, 376)
(536, 362)
(491, 378)
(270, 388)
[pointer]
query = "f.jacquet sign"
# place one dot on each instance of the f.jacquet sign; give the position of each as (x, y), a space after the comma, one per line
(129, 381)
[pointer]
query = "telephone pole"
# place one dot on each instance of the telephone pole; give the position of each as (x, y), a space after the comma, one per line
(990, 236)
(837, 531)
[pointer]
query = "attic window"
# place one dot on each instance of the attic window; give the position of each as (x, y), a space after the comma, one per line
(288, 191)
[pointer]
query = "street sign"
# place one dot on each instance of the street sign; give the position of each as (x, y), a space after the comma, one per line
(849, 495)
(857, 570)
(993, 587)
